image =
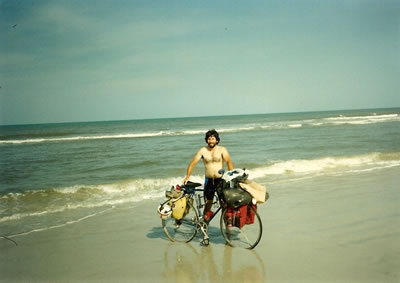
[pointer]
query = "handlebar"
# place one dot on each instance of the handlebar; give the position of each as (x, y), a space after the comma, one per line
(192, 190)
(231, 176)
(190, 187)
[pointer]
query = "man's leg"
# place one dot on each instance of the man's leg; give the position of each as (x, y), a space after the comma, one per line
(208, 195)
(207, 206)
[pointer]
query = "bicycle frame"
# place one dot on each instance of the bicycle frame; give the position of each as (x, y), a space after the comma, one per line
(201, 224)
(199, 205)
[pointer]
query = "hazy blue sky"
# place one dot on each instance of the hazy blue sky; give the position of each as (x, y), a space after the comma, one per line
(110, 60)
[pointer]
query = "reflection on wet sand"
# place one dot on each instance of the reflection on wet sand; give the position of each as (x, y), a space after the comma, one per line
(184, 263)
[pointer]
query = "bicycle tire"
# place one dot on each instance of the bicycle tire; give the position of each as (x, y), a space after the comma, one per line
(247, 236)
(187, 229)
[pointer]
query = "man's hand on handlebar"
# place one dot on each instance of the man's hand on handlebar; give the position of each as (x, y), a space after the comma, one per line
(185, 180)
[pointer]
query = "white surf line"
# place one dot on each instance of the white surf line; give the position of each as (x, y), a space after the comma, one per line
(82, 138)
(61, 225)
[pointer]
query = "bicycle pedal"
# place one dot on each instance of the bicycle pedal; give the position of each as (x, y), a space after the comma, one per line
(205, 242)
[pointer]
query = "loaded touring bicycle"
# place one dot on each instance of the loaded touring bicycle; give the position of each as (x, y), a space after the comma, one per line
(240, 223)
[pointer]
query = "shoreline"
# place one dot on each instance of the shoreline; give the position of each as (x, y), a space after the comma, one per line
(328, 229)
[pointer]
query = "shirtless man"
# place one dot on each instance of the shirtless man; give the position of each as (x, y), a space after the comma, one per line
(213, 157)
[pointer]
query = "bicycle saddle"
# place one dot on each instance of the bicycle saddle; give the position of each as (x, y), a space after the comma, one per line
(191, 185)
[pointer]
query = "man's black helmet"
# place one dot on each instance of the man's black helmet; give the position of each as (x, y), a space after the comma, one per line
(214, 133)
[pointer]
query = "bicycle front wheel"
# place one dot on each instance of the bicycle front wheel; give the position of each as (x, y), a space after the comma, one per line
(183, 230)
(247, 236)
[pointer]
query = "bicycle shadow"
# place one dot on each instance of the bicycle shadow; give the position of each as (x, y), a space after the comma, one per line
(157, 232)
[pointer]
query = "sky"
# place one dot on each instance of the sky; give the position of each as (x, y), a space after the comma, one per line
(69, 61)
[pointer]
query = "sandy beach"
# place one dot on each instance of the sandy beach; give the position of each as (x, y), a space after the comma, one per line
(325, 229)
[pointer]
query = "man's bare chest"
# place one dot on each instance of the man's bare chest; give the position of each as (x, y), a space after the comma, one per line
(212, 157)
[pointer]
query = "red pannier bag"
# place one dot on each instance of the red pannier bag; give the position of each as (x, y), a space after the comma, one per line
(241, 215)
(251, 214)
(238, 216)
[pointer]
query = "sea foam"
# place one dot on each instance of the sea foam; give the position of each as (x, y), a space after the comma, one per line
(329, 165)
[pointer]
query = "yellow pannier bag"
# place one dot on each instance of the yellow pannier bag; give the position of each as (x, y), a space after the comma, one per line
(178, 208)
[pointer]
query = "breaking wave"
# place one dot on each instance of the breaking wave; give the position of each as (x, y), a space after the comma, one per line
(329, 165)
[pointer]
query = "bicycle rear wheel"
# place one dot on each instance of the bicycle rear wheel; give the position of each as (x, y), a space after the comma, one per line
(183, 230)
(247, 236)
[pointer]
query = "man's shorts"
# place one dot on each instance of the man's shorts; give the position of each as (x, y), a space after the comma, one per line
(210, 186)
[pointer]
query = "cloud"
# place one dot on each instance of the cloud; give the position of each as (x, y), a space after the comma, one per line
(15, 58)
(59, 17)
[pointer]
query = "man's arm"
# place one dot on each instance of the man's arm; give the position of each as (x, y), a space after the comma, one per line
(191, 165)
(227, 158)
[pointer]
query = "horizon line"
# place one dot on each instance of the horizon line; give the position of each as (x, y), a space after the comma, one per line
(191, 117)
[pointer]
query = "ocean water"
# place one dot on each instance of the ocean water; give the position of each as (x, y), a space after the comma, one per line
(53, 175)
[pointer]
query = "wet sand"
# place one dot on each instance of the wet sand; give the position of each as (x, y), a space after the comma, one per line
(324, 229)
